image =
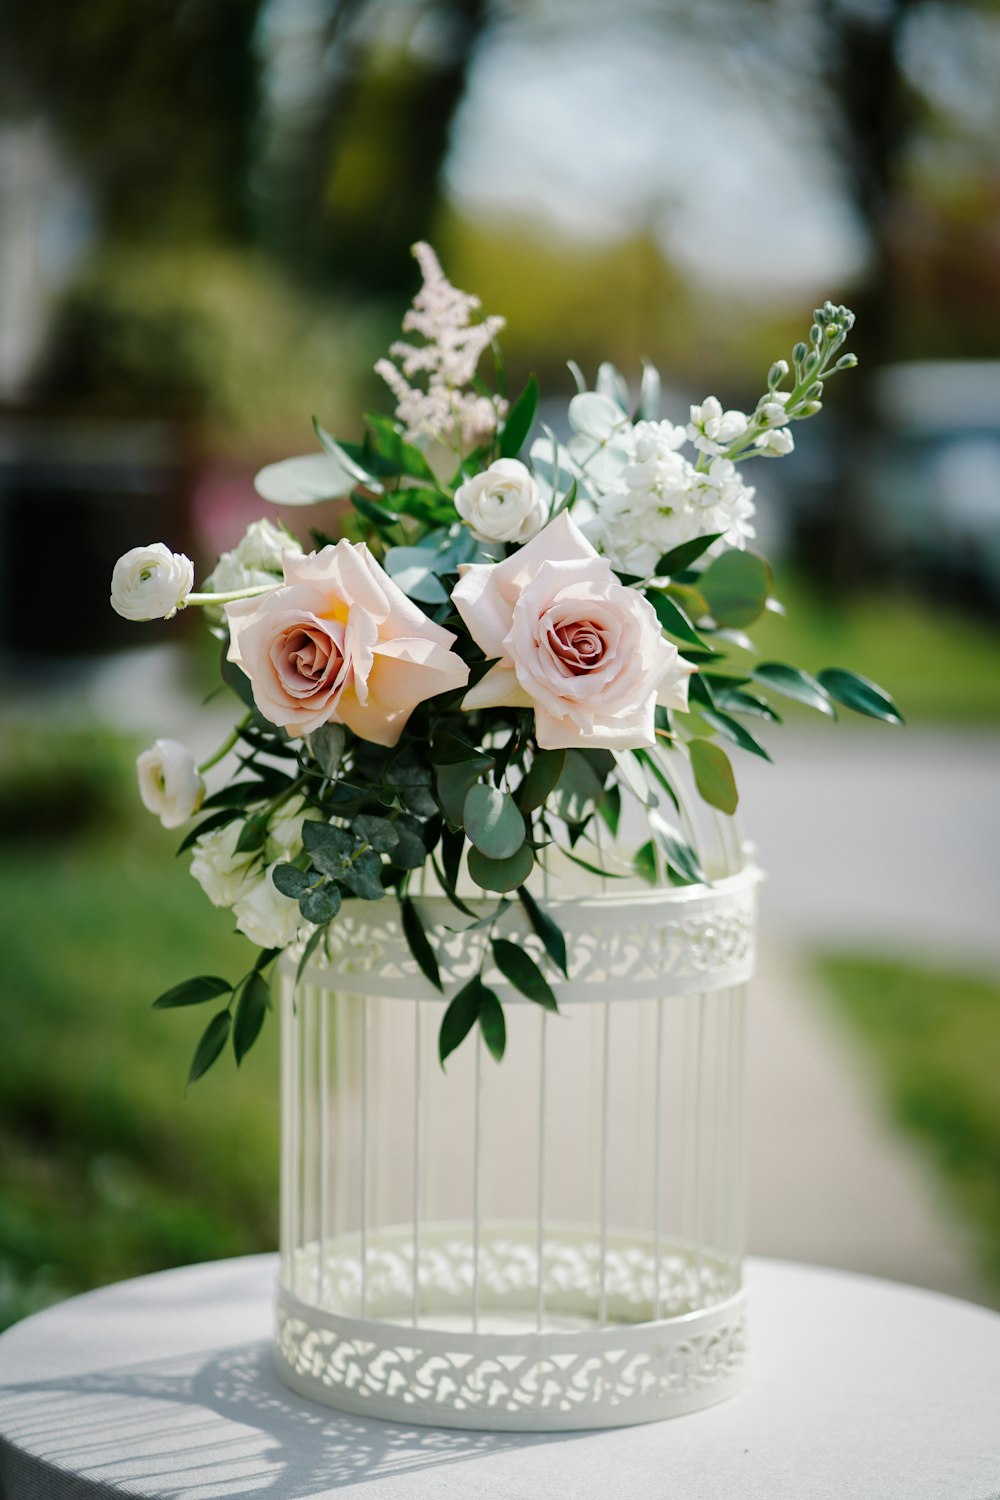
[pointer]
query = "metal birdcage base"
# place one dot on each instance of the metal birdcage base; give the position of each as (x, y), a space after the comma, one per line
(549, 1245)
(516, 1363)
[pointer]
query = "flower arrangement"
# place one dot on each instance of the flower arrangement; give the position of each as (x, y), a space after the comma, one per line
(518, 634)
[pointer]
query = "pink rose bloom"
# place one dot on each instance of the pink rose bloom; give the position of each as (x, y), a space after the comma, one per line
(341, 642)
(581, 649)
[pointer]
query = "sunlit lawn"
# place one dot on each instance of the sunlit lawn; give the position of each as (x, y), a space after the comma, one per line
(935, 1035)
(107, 1168)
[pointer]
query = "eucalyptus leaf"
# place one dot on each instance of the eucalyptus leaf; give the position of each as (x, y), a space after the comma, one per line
(303, 481)
(453, 784)
(291, 881)
(501, 874)
(631, 774)
(410, 850)
(327, 746)
(378, 832)
(213, 1039)
(579, 788)
(519, 969)
(193, 992)
(320, 904)
(493, 822)
(363, 876)
(713, 775)
(251, 1008)
(460, 1017)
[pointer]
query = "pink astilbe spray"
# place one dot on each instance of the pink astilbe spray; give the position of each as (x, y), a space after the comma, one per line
(445, 411)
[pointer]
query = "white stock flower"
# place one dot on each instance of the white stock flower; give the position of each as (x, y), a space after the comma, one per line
(263, 914)
(503, 504)
(217, 867)
(151, 583)
(254, 562)
(775, 443)
(771, 409)
(170, 783)
(711, 429)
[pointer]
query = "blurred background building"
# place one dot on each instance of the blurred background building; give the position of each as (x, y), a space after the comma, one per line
(205, 214)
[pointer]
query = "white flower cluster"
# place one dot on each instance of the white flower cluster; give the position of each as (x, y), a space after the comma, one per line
(647, 496)
(444, 411)
(242, 881)
(254, 562)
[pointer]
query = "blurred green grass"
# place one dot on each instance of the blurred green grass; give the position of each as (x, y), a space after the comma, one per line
(939, 663)
(107, 1168)
(935, 1036)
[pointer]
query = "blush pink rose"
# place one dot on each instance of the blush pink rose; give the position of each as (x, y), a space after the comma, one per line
(571, 642)
(341, 642)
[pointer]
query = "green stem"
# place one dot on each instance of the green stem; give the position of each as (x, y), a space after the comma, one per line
(224, 749)
(230, 598)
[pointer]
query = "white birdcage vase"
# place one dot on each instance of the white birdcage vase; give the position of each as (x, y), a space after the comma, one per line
(552, 1242)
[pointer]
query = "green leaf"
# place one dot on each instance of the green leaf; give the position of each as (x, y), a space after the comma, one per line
(645, 862)
(579, 788)
(193, 992)
(383, 519)
(679, 855)
(552, 936)
(416, 937)
(251, 1008)
(491, 1022)
(409, 851)
(378, 832)
(793, 683)
(858, 693)
(220, 819)
(679, 558)
(673, 619)
(389, 443)
(519, 969)
(632, 775)
(327, 745)
(252, 836)
(713, 775)
(739, 701)
(736, 586)
(501, 874)
(453, 783)
(733, 730)
(213, 1039)
(610, 808)
(544, 772)
(329, 846)
(452, 844)
(459, 1018)
(493, 822)
(519, 420)
(351, 468)
(321, 904)
(594, 869)
(312, 943)
(291, 881)
(448, 749)
(363, 876)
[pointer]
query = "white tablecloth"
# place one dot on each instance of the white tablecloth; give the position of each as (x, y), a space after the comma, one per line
(859, 1390)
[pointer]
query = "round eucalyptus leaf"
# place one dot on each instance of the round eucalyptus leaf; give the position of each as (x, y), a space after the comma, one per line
(501, 874)
(493, 822)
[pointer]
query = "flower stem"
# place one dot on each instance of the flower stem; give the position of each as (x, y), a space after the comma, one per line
(224, 749)
(230, 598)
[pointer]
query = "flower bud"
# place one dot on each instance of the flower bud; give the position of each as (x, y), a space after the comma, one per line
(170, 783)
(151, 583)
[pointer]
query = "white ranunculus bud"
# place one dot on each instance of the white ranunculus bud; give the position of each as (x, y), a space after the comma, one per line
(217, 867)
(254, 562)
(170, 784)
(503, 504)
(151, 583)
(266, 916)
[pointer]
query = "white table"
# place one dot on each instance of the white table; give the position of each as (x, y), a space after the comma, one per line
(860, 1390)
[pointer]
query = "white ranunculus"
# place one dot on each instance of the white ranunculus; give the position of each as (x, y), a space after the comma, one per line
(254, 562)
(503, 504)
(151, 583)
(170, 784)
(266, 916)
(217, 867)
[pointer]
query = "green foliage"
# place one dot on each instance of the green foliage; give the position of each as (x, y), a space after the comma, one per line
(213, 1039)
(736, 586)
(519, 420)
(416, 937)
(251, 1008)
(193, 992)
(519, 968)
(551, 934)
(492, 822)
(858, 693)
(713, 775)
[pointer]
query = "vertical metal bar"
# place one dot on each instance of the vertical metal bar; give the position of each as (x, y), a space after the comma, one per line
(415, 1311)
(323, 999)
(287, 1104)
(699, 1149)
(476, 1145)
(365, 1123)
(602, 1312)
(658, 1167)
(293, 1145)
(540, 1222)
